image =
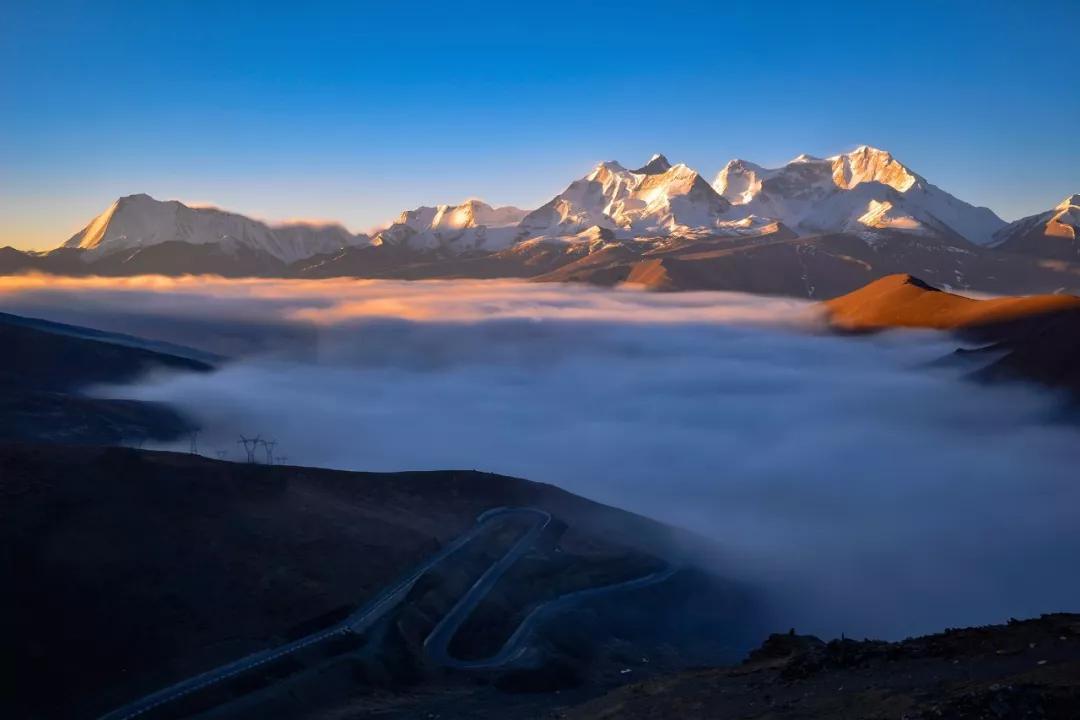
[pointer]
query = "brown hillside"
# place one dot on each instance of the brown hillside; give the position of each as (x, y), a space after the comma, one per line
(905, 301)
(1034, 338)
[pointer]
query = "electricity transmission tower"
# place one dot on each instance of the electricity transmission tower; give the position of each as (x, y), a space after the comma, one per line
(249, 446)
(268, 445)
(194, 442)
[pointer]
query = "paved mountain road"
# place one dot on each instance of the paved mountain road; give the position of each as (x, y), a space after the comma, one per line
(437, 641)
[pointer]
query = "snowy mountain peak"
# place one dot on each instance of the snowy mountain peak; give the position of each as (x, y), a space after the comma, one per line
(1052, 234)
(864, 189)
(1065, 222)
(869, 164)
(606, 169)
(1073, 201)
(675, 180)
(131, 220)
(135, 198)
(135, 222)
(739, 181)
(469, 214)
(472, 225)
(659, 198)
(657, 164)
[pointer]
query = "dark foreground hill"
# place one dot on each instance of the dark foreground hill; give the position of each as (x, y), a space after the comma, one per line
(44, 367)
(125, 571)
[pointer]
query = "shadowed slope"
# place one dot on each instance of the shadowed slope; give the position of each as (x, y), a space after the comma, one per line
(45, 365)
(1033, 338)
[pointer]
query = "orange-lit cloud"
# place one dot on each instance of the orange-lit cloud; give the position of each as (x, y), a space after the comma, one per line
(334, 301)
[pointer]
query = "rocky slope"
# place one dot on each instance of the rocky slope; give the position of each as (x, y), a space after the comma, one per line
(1028, 669)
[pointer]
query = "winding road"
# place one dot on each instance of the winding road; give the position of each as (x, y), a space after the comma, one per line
(516, 645)
(437, 641)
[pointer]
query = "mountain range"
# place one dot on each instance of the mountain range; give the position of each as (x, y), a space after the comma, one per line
(816, 227)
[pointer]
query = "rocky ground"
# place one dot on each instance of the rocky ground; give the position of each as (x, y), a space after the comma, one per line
(1025, 669)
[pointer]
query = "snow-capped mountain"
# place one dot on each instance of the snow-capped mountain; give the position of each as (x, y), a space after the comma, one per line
(656, 199)
(139, 221)
(813, 228)
(472, 225)
(298, 240)
(857, 192)
(1052, 234)
(863, 192)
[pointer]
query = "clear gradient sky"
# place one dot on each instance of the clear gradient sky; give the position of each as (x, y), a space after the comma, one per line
(355, 111)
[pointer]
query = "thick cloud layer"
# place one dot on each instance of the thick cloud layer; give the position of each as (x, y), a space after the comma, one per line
(873, 494)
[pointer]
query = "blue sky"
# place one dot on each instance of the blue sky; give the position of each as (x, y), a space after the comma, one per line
(355, 111)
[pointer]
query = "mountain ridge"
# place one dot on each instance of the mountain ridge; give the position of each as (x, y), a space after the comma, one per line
(1052, 234)
(815, 228)
(864, 190)
(133, 222)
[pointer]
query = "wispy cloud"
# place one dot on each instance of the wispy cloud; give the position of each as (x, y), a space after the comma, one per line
(335, 301)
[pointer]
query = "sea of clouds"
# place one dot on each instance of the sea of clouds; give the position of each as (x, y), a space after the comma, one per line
(868, 489)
